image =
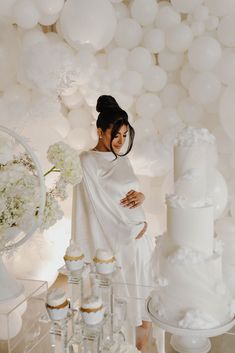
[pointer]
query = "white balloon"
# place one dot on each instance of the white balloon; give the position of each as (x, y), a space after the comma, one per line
(48, 20)
(172, 94)
(232, 209)
(204, 53)
(226, 68)
(212, 23)
(144, 11)
(72, 101)
(83, 26)
(128, 34)
(178, 37)
(227, 111)
(80, 117)
(190, 112)
(204, 88)
(6, 7)
(16, 92)
(186, 75)
(154, 79)
(185, 6)
(62, 126)
(50, 7)
(26, 15)
(220, 8)
(167, 119)
(217, 192)
(197, 28)
(80, 138)
(167, 17)
(225, 226)
(170, 61)
(226, 30)
(139, 59)
(131, 82)
(147, 105)
(117, 59)
(154, 40)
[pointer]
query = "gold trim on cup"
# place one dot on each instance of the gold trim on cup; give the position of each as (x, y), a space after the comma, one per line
(104, 261)
(73, 258)
(91, 310)
(61, 306)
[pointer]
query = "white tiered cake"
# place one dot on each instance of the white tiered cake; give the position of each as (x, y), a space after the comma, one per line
(191, 292)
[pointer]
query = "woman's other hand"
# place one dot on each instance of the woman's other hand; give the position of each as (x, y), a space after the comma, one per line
(132, 199)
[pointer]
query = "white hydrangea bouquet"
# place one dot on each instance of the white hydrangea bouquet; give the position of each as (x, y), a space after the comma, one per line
(19, 189)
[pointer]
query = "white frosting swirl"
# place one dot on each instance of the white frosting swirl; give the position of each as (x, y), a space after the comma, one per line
(197, 319)
(186, 256)
(178, 201)
(191, 135)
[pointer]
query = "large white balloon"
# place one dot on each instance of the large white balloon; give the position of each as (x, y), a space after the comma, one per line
(128, 34)
(154, 40)
(144, 11)
(218, 192)
(186, 75)
(155, 79)
(204, 53)
(139, 59)
(172, 94)
(148, 105)
(204, 87)
(227, 111)
(226, 30)
(179, 37)
(190, 112)
(167, 17)
(117, 59)
(88, 21)
(185, 6)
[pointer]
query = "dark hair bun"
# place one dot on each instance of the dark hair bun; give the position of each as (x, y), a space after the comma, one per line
(105, 103)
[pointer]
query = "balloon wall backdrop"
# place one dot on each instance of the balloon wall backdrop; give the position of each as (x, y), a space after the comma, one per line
(168, 63)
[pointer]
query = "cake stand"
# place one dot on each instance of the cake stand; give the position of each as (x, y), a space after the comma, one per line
(185, 340)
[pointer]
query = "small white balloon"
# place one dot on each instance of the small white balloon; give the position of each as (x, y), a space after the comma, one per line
(197, 28)
(25, 13)
(170, 61)
(48, 20)
(220, 8)
(139, 59)
(212, 23)
(154, 40)
(144, 11)
(80, 117)
(179, 37)
(33, 37)
(72, 101)
(128, 33)
(154, 79)
(121, 10)
(226, 68)
(172, 94)
(190, 112)
(232, 208)
(204, 87)
(201, 13)
(204, 53)
(167, 17)
(147, 105)
(117, 59)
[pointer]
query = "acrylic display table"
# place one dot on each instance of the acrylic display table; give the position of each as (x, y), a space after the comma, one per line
(21, 325)
(185, 340)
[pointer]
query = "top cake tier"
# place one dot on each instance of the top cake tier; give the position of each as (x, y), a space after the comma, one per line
(193, 153)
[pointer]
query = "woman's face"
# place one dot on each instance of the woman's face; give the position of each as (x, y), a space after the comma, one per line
(118, 140)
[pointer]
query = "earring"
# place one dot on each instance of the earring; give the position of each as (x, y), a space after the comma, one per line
(100, 137)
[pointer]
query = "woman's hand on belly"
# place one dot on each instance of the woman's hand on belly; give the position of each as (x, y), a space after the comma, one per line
(132, 199)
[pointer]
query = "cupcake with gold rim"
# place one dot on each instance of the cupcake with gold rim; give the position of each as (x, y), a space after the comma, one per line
(57, 304)
(74, 258)
(105, 261)
(92, 310)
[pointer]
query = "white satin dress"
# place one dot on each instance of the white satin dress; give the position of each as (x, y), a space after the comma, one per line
(100, 221)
